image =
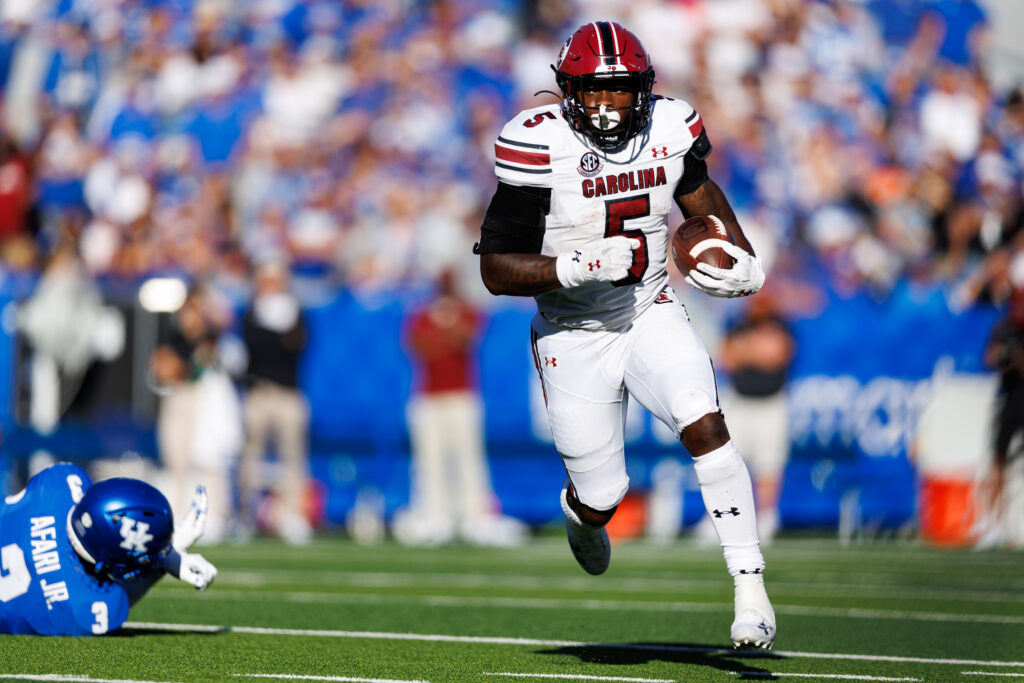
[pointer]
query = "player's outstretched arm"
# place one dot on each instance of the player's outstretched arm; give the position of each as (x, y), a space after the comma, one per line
(519, 274)
(191, 568)
(709, 200)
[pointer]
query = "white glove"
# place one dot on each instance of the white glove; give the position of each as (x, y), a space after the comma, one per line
(607, 259)
(745, 277)
(191, 568)
(193, 524)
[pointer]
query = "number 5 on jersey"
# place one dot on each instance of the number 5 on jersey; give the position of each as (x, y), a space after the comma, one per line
(617, 212)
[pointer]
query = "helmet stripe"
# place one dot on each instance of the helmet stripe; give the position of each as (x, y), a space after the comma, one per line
(606, 42)
(600, 42)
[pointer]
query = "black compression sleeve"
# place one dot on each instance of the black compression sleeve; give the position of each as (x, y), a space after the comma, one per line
(515, 220)
(695, 174)
(701, 147)
(695, 168)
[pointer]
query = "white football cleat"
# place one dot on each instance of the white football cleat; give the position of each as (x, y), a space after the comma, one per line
(754, 625)
(589, 543)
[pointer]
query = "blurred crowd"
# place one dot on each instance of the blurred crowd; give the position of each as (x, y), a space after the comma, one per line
(274, 153)
(862, 142)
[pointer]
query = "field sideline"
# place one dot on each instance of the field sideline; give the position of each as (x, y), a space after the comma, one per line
(337, 611)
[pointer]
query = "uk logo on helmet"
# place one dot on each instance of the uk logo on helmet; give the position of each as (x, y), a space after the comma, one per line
(135, 534)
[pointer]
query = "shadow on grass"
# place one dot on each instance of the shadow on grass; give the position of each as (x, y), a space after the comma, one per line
(136, 631)
(723, 659)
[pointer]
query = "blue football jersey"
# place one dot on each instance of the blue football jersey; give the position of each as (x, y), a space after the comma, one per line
(44, 587)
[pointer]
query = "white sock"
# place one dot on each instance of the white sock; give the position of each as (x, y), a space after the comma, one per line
(729, 499)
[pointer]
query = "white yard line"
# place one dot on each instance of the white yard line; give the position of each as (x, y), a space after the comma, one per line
(915, 560)
(859, 613)
(490, 640)
(344, 679)
(991, 673)
(71, 677)
(581, 677)
(845, 677)
(634, 584)
(559, 604)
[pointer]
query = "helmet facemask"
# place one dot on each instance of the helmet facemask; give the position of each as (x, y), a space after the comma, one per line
(608, 128)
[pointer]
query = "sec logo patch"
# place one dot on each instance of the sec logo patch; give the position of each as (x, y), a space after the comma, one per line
(590, 165)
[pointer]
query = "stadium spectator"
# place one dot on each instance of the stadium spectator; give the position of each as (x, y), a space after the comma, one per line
(756, 354)
(95, 548)
(73, 79)
(68, 329)
(451, 495)
(608, 324)
(199, 424)
(961, 30)
(61, 163)
(276, 412)
(951, 115)
(899, 21)
(1005, 353)
(16, 194)
(223, 114)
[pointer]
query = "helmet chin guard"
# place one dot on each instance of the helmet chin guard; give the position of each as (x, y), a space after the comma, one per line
(601, 56)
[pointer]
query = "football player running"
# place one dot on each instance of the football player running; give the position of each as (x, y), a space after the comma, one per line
(77, 555)
(578, 221)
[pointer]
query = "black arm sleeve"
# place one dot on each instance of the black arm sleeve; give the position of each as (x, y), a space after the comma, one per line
(695, 168)
(514, 223)
(701, 147)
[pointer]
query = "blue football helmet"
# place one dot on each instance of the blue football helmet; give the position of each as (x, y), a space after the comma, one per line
(123, 528)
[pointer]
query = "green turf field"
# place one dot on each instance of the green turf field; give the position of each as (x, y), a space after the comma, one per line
(337, 611)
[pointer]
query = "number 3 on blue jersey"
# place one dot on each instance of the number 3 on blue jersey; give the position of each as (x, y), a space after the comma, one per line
(99, 610)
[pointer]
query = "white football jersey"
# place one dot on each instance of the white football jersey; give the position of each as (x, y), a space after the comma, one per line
(597, 194)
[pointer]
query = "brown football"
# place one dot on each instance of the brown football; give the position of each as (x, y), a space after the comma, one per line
(698, 240)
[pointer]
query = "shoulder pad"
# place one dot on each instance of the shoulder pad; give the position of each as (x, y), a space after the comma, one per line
(700, 148)
(57, 475)
(522, 152)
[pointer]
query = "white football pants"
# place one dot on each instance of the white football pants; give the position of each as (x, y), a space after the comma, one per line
(659, 360)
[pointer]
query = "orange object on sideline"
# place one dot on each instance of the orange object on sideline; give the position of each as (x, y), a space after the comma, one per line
(629, 520)
(947, 508)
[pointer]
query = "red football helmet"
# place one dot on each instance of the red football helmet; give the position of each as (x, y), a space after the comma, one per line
(604, 51)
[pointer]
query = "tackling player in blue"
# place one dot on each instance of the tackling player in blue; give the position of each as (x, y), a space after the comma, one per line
(75, 556)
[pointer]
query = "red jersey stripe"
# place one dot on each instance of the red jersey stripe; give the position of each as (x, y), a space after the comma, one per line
(696, 127)
(521, 157)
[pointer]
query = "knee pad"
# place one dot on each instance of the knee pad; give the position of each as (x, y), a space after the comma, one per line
(601, 487)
